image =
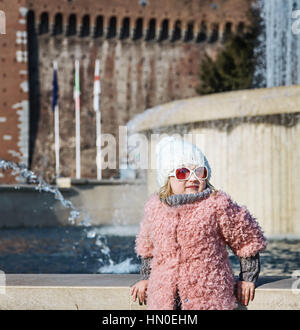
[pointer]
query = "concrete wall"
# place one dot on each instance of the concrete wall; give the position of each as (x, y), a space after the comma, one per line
(14, 87)
(100, 204)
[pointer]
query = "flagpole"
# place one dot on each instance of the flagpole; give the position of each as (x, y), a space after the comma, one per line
(77, 118)
(56, 127)
(56, 130)
(97, 92)
(98, 144)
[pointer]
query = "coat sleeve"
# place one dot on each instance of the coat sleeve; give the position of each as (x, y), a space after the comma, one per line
(239, 228)
(145, 269)
(143, 243)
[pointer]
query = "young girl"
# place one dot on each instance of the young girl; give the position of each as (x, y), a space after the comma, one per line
(183, 236)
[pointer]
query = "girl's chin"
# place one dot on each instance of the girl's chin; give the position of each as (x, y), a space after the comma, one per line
(191, 190)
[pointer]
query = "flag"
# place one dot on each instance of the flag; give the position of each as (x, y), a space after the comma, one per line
(54, 86)
(55, 109)
(77, 86)
(97, 86)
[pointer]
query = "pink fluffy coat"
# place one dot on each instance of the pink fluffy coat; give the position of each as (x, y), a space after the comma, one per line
(188, 246)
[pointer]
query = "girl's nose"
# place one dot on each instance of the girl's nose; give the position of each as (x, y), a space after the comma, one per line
(193, 177)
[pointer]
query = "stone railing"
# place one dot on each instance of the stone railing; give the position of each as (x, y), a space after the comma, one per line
(112, 292)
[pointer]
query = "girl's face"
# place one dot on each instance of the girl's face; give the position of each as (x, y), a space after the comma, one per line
(190, 186)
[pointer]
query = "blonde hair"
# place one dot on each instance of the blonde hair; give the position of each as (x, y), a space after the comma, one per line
(166, 190)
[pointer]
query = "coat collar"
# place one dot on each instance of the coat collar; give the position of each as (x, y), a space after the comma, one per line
(171, 209)
(180, 199)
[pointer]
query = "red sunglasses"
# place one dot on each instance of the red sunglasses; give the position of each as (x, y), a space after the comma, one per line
(184, 173)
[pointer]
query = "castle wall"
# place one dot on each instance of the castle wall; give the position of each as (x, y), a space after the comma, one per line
(149, 55)
(14, 99)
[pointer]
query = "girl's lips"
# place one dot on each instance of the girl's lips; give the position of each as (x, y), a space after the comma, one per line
(193, 187)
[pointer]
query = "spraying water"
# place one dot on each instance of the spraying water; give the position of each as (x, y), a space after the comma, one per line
(42, 186)
(279, 44)
(30, 177)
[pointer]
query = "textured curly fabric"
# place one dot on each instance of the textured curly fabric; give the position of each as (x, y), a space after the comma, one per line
(145, 271)
(249, 271)
(188, 246)
(145, 268)
(250, 268)
(187, 198)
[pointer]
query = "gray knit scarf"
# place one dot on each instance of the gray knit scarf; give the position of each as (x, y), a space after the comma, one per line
(179, 199)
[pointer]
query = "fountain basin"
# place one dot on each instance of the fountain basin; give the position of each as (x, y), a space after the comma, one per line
(226, 105)
(103, 202)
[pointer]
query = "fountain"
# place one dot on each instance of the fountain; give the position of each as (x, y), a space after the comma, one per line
(250, 137)
(41, 185)
(86, 245)
(256, 130)
(280, 43)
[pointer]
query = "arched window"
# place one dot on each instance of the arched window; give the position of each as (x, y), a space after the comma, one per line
(164, 30)
(151, 31)
(176, 35)
(189, 33)
(85, 26)
(240, 28)
(99, 27)
(44, 23)
(58, 24)
(202, 35)
(215, 33)
(72, 25)
(227, 31)
(138, 30)
(125, 29)
(112, 28)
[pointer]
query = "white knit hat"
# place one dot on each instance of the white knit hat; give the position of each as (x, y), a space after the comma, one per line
(172, 152)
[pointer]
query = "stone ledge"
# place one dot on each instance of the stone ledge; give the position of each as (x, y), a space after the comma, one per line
(105, 182)
(73, 183)
(219, 106)
(112, 292)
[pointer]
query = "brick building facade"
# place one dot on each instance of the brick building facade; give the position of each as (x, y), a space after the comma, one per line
(150, 53)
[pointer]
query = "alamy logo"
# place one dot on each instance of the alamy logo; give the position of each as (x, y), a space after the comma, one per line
(2, 22)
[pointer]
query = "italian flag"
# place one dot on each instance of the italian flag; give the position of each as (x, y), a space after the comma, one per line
(77, 86)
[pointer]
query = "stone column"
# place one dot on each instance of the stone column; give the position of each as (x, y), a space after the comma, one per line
(118, 27)
(132, 25)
